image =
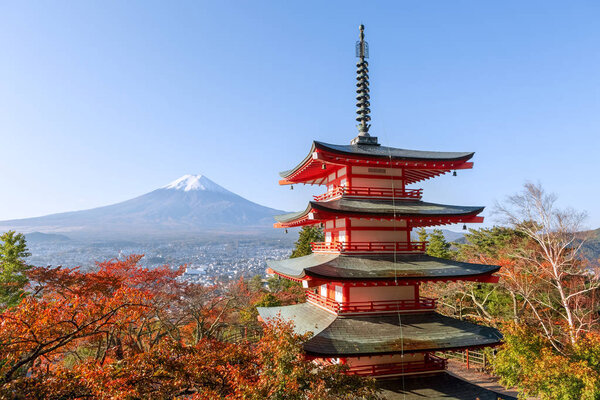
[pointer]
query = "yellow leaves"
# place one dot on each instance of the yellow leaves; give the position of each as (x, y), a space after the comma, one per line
(529, 361)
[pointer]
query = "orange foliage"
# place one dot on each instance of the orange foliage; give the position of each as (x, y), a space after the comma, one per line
(271, 368)
(124, 331)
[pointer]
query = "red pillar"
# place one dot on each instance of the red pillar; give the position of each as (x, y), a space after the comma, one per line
(345, 292)
(467, 358)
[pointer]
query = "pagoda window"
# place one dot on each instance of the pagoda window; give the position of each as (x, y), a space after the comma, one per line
(343, 182)
(323, 290)
(379, 293)
(359, 222)
(380, 236)
(342, 237)
(377, 177)
(339, 294)
(377, 171)
(329, 224)
(387, 359)
(328, 237)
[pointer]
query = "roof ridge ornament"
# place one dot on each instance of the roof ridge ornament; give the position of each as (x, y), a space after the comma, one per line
(362, 92)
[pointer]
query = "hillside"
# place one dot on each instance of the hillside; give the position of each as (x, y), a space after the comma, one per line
(192, 204)
(592, 245)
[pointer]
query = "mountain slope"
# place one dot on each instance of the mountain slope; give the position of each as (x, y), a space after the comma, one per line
(192, 203)
(591, 247)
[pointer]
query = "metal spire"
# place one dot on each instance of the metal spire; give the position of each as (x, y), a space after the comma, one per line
(362, 92)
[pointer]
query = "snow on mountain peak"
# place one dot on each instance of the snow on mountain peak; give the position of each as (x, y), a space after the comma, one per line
(195, 182)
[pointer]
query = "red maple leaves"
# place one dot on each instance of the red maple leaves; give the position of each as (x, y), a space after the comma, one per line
(124, 331)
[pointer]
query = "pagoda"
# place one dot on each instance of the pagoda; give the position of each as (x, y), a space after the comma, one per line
(362, 283)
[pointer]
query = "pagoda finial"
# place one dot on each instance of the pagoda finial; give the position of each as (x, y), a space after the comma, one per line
(362, 92)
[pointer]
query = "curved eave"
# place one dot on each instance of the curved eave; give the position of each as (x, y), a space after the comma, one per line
(385, 153)
(318, 354)
(393, 334)
(317, 279)
(306, 160)
(335, 336)
(436, 386)
(316, 212)
(427, 164)
(391, 209)
(361, 268)
(478, 277)
(292, 219)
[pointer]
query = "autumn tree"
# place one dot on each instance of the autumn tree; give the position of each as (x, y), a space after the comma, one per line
(272, 368)
(530, 362)
(124, 331)
(288, 374)
(562, 285)
(277, 291)
(496, 246)
(463, 299)
(105, 313)
(13, 251)
(256, 283)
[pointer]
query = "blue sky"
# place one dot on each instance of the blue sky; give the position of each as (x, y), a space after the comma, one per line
(103, 101)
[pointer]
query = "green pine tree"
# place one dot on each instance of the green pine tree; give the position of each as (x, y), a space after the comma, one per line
(438, 246)
(13, 251)
(422, 235)
(278, 284)
(268, 300)
(307, 235)
(488, 241)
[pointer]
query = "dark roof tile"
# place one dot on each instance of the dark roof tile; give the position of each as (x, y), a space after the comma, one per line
(381, 266)
(382, 208)
(382, 334)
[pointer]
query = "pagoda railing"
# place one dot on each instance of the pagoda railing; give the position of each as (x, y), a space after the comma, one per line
(431, 363)
(377, 306)
(371, 192)
(362, 247)
(323, 301)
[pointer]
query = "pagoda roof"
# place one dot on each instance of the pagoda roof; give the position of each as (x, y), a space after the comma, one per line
(433, 163)
(436, 386)
(379, 208)
(335, 336)
(416, 267)
(395, 153)
(382, 152)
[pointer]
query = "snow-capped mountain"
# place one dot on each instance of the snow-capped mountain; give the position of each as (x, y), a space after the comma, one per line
(195, 182)
(190, 204)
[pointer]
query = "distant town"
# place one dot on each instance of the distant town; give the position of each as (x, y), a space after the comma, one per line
(206, 262)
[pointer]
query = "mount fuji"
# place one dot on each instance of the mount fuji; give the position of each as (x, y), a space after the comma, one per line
(192, 204)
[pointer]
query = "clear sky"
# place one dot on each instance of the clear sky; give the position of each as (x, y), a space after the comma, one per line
(103, 101)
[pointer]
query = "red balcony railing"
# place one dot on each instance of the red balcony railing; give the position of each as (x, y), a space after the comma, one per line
(431, 363)
(366, 247)
(422, 303)
(371, 192)
(378, 306)
(323, 301)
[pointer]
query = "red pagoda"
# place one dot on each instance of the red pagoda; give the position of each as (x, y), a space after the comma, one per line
(362, 283)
